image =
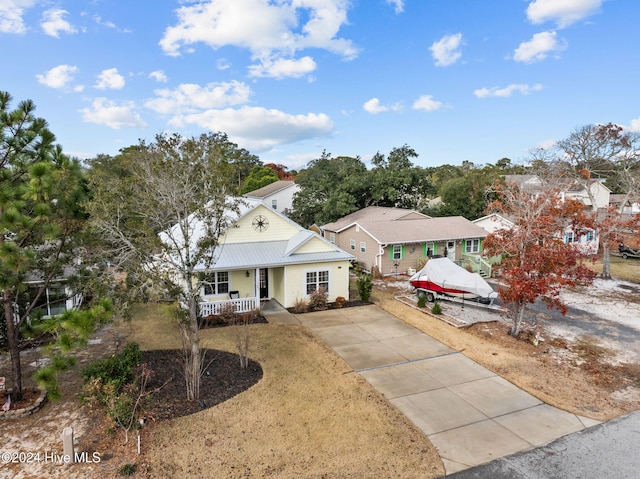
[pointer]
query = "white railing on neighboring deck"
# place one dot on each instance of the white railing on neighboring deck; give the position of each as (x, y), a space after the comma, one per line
(241, 305)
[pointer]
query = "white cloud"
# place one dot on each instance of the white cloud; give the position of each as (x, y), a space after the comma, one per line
(222, 64)
(373, 106)
(53, 22)
(507, 91)
(273, 31)
(446, 51)
(110, 80)
(108, 113)
(399, 5)
(427, 103)
(191, 98)
(159, 76)
(635, 125)
(58, 77)
(283, 68)
(105, 23)
(538, 47)
(563, 12)
(11, 12)
(259, 129)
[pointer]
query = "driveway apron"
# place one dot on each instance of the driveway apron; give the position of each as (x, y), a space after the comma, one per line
(470, 414)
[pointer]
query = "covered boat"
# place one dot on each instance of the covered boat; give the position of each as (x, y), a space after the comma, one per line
(443, 276)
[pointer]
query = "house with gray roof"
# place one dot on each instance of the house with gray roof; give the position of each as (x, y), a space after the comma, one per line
(277, 195)
(264, 255)
(396, 240)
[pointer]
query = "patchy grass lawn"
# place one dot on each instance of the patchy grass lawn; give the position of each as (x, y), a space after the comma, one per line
(309, 416)
(624, 269)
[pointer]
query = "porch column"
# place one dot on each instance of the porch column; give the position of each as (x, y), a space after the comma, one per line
(256, 283)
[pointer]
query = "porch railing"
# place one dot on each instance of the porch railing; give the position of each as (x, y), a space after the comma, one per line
(478, 264)
(241, 305)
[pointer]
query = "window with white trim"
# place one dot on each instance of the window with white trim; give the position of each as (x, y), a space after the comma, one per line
(363, 247)
(473, 246)
(52, 301)
(332, 238)
(317, 280)
(397, 251)
(215, 283)
(352, 244)
(274, 204)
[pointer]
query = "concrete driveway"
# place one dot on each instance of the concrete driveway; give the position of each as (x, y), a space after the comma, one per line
(471, 415)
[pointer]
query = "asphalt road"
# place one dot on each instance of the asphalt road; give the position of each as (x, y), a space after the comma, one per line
(608, 450)
(579, 323)
(584, 324)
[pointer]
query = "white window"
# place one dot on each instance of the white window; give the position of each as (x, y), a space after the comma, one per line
(317, 280)
(363, 247)
(473, 246)
(215, 283)
(397, 251)
(332, 238)
(352, 244)
(571, 237)
(52, 301)
(274, 204)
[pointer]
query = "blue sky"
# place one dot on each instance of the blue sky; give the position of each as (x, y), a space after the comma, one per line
(456, 80)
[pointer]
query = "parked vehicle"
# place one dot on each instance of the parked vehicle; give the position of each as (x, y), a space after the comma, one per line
(628, 252)
(441, 278)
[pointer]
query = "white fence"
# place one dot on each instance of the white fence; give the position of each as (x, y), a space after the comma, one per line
(241, 305)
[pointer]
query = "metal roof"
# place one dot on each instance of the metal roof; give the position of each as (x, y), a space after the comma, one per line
(268, 254)
(270, 189)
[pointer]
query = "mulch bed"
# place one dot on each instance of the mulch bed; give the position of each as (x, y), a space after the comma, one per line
(348, 304)
(222, 380)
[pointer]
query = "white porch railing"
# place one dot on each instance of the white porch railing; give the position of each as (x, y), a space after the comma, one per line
(241, 305)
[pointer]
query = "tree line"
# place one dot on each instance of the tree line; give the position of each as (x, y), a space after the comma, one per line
(135, 211)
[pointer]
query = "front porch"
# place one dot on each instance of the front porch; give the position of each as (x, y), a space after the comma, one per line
(240, 305)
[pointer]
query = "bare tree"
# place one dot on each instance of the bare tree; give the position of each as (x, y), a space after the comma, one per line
(163, 219)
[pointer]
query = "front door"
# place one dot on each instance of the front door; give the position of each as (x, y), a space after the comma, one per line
(451, 250)
(264, 283)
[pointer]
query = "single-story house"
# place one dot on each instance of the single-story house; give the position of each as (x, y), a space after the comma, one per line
(396, 240)
(264, 255)
(277, 195)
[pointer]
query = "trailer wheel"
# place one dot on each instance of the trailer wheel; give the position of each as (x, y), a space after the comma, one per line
(420, 293)
(430, 297)
(624, 256)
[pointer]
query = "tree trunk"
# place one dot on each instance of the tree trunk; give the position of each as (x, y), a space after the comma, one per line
(606, 259)
(14, 346)
(517, 320)
(191, 348)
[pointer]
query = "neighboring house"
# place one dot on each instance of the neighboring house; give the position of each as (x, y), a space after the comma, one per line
(525, 182)
(396, 240)
(588, 242)
(277, 195)
(629, 207)
(493, 222)
(601, 194)
(265, 255)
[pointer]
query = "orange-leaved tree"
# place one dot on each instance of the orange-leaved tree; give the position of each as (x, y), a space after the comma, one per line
(536, 262)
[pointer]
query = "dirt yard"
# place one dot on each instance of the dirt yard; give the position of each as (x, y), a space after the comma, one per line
(309, 416)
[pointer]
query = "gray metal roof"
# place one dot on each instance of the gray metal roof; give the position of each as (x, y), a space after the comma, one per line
(270, 189)
(268, 254)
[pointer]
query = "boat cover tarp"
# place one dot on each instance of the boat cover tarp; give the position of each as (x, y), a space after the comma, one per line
(448, 275)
